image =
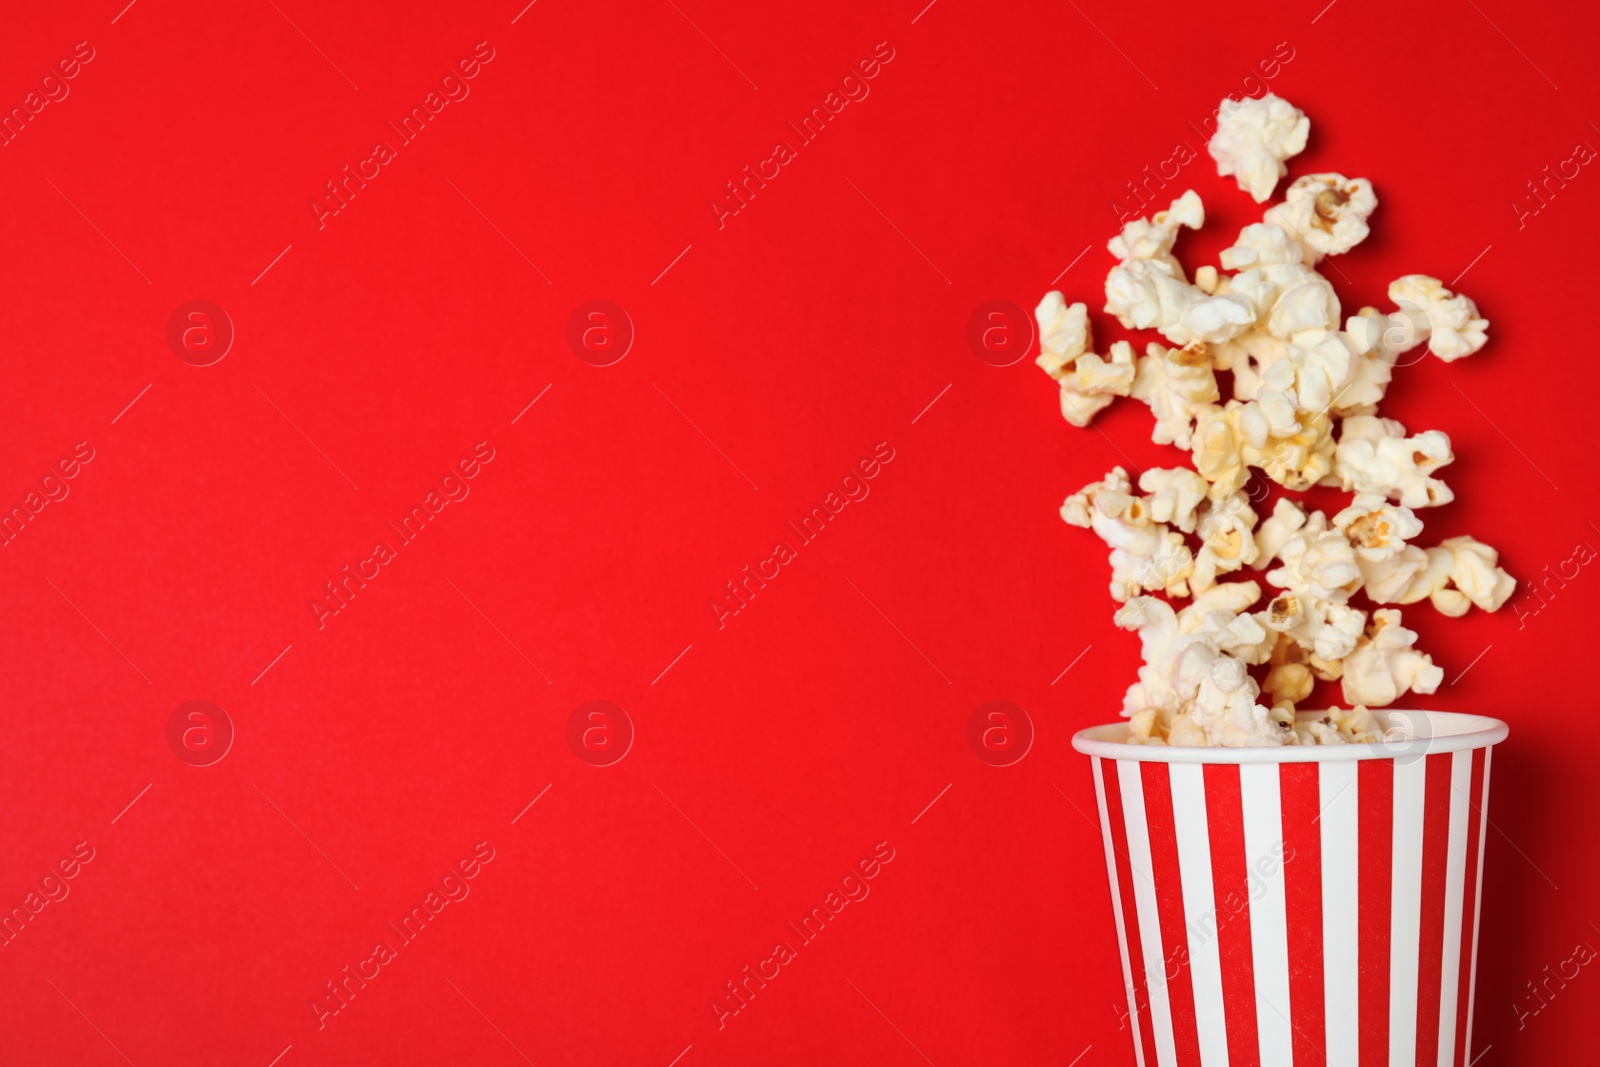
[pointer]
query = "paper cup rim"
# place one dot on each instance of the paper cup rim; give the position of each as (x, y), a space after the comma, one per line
(1422, 733)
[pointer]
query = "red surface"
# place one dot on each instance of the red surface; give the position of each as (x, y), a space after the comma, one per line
(772, 758)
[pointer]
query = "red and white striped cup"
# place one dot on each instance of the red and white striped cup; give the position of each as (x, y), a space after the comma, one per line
(1283, 907)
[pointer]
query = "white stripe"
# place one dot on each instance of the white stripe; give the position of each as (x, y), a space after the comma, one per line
(1405, 907)
(1340, 823)
(1269, 917)
(1454, 891)
(1144, 899)
(1199, 904)
(1477, 891)
(1116, 908)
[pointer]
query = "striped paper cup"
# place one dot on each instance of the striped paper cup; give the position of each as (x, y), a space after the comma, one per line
(1279, 907)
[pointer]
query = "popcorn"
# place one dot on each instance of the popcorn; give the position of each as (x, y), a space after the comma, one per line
(1384, 665)
(1286, 520)
(1088, 383)
(1254, 136)
(1327, 212)
(1375, 528)
(1226, 668)
(1226, 543)
(1224, 440)
(1339, 727)
(1308, 304)
(1063, 333)
(1175, 494)
(1302, 457)
(1455, 329)
(1153, 238)
(1475, 572)
(1263, 244)
(1179, 386)
(1375, 456)
(1146, 294)
(1145, 555)
(1095, 382)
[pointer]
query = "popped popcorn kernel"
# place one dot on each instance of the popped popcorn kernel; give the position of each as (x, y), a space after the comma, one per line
(1254, 136)
(1455, 330)
(1327, 212)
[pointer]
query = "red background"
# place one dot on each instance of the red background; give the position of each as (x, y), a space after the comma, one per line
(820, 321)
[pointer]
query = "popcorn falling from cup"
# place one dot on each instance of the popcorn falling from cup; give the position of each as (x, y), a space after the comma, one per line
(1304, 413)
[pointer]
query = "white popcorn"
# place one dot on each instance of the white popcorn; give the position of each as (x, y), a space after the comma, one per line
(1224, 440)
(1475, 572)
(1377, 529)
(1375, 456)
(1248, 356)
(1095, 382)
(1225, 712)
(1254, 137)
(1175, 494)
(1317, 562)
(1303, 413)
(1313, 375)
(1217, 319)
(1145, 294)
(1302, 458)
(1286, 520)
(1226, 541)
(1263, 244)
(1179, 385)
(1145, 555)
(1340, 727)
(1411, 575)
(1154, 237)
(1453, 322)
(1384, 665)
(1327, 212)
(1387, 335)
(1088, 382)
(1064, 333)
(1309, 304)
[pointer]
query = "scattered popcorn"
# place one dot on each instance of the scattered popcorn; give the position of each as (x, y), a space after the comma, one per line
(1063, 333)
(1392, 464)
(1254, 136)
(1145, 555)
(1220, 666)
(1455, 329)
(1175, 494)
(1327, 212)
(1153, 238)
(1375, 528)
(1179, 385)
(1384, 666)
(1226, 542)
(1475, 573)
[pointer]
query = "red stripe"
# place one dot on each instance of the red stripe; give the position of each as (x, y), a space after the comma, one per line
(1435, 870)
(1299, 787)
(1130, 910)
(1375, 790)
(1169, 902)
(1469, 906)
(1230, 876)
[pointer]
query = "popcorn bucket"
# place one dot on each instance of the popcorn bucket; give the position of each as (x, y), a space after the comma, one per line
(1299, 905)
